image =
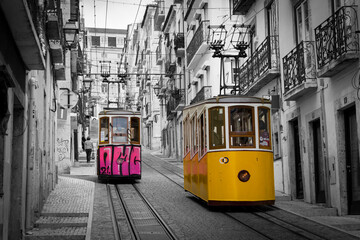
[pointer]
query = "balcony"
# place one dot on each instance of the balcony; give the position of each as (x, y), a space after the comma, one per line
(300, 71)
(54, 33)
(170, 108)
(159, 15)
(241, 7)
(261, 67)
(179, 44)
(198, 44)
(170, 69)
(203, 94)
(337, 43)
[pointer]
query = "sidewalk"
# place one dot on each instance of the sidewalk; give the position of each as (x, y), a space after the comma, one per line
(318, 213)
(67, 213)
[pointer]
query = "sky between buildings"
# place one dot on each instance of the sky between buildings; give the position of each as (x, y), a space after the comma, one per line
(116, 14)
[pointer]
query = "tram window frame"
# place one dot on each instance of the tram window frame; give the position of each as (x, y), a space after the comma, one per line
(133, 130)
(202, 134)
(242, 134)
(194, 136)
(104, 127)
(115, 134)
(267, 125)
(210, 114)
(186, 136)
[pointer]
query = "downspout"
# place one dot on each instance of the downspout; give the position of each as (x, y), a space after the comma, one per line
(31, 153)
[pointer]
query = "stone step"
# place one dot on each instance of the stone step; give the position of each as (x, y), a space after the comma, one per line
(64, 233)
(58, 222)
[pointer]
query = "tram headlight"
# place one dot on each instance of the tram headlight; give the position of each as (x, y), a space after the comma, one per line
(244, 176)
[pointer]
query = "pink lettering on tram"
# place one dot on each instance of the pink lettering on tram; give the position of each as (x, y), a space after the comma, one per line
(121, 160)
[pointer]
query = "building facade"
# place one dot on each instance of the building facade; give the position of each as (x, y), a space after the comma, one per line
(34, 66)
(302, 55)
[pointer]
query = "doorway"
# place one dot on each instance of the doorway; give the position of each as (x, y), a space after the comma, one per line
(352, 161)
(297, 158)
(319, 164)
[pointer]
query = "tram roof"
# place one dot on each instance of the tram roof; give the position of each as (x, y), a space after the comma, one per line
(230, 99)
(117, 111)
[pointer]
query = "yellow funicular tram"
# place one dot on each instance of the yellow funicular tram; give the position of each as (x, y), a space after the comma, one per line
(228, 158)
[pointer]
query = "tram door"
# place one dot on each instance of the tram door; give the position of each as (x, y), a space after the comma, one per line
(352, 161)
(318, 163)
(298, 171)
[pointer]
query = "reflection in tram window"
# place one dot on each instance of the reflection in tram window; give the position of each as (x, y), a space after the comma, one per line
(119, 126)
(264, 132)
(217, 127)
(241, 126)
(104, 130)
(135, 130)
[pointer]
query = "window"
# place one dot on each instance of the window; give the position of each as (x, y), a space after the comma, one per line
(135, 130)
(241, 126)
(95, 41)
(302, 22)
(194, 136)
(264, 128)
(217, 127)
(202, 134)
(186, 136)
(119, 129)
(111, 41)
(104, 130)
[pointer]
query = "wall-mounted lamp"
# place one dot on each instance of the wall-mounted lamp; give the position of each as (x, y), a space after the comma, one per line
(71, 30)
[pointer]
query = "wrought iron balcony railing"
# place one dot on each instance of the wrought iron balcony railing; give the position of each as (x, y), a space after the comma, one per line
(170, 68)
(300, 70)
(337, 36)
(204, 93)
(179, 42)
(199, 39)
(242, 6)
(261, 67)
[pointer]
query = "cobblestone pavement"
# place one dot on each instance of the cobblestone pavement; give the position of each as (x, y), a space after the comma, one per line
(67, 213)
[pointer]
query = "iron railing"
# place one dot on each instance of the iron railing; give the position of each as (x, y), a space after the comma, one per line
(265, 57)
(337, 35)
(179, 40)
(198, 39)
(299, 65)
(203, 94)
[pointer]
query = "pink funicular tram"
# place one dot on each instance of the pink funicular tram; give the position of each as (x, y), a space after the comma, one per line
(119, 150)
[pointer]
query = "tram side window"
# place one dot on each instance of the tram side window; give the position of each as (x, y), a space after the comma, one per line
(186, 136)
(135, 130)
(241, 127)
(104, 130)
(202, 134)
(194, 136)
(119, 127)
(217, 127)
(264, 127)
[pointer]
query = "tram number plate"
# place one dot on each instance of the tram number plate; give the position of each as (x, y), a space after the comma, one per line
(224, 160)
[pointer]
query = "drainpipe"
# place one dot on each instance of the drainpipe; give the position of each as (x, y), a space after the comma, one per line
(31, 153)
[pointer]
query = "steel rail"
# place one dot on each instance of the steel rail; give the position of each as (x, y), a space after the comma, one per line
(112, 213)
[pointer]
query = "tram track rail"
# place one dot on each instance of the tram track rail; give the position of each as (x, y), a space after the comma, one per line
(128, 204)
(271, 219)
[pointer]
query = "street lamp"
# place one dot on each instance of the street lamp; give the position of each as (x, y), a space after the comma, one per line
(87, 83)
(217, 44)
(71, 30)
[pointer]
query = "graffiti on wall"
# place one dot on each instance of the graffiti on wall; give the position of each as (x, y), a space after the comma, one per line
(62, 148)
(122, 160)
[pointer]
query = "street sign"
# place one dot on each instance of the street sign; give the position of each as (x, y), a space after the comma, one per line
(68, 99)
